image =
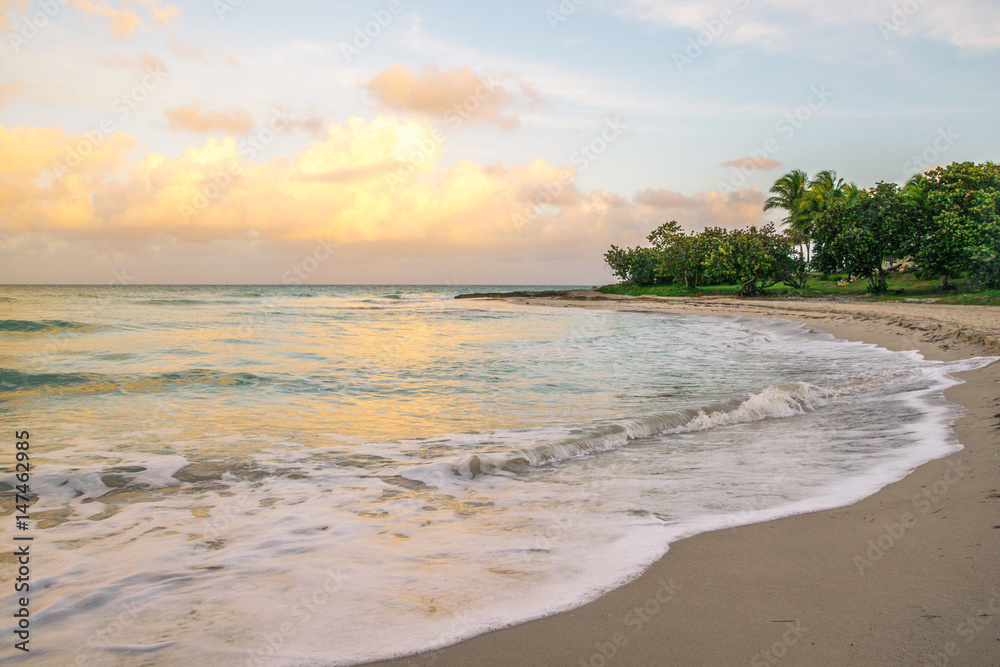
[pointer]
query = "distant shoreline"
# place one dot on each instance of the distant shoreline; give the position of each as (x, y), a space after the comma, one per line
(793, 590)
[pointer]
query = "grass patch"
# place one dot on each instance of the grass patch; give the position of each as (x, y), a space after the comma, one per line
(902, 287)
(990, 297)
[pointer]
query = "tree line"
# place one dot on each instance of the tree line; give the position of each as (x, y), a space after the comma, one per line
(947, 220)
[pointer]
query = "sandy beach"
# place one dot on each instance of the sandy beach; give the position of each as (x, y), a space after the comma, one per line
(908, 576)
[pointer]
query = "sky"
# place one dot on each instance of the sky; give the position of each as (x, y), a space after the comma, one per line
(408, 142)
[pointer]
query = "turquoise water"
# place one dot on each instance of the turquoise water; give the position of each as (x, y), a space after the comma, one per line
(214, 462)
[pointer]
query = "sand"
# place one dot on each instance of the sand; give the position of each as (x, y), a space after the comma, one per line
(908, 576)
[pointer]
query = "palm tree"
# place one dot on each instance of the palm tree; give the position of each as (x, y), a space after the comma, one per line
(852, 191)
(825, 189)
(913, 193)
(806, 198)
(789, 192)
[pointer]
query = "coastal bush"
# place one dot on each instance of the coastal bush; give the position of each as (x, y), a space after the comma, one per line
(753, 258)
(757, 258)
(957, 226)
(684, 259)
(675, 262)
(636, 266)
(859, 236)
(986, 268)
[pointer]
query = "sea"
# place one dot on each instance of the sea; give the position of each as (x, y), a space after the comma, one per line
(330, 475)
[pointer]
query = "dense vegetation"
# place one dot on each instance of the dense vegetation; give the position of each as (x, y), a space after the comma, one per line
(753, 258)
(946, 221)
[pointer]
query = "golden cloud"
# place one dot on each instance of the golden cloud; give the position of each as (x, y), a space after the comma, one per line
(6, 6)
(164, 14)
(123, 21)
(27, 153)
(192, 118)
(38, 187)
(377, 181)
(453, 95)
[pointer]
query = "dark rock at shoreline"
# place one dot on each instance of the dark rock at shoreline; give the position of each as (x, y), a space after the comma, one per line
(503, 295)
(570, 295)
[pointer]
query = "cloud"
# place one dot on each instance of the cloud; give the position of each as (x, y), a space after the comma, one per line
(192, 118)
(454, 95)
(732, 210)
(8, 5)
(964, 24)
(185, 50)
(792, 25)
(368, 183)
(752, 163)
(313, 124)
(662, 199)
(28, 152)
(164, 14)
(124, 22)
(38, 191)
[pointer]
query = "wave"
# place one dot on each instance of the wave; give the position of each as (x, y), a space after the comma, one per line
(38, 326)
(11, 380)
(100, 383)
(170, 302)
(783, 400)
(414, 297)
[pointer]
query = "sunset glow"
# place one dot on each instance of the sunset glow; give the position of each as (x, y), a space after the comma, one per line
(226, 142)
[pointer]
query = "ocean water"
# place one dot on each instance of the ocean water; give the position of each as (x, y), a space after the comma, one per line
(332, 475)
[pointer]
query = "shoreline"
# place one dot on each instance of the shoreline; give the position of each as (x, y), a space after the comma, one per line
(907, 576)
